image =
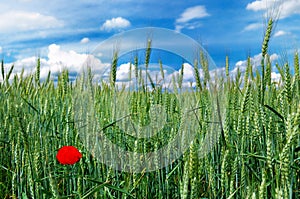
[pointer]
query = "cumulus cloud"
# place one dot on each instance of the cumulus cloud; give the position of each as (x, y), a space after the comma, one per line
(275, 77)
(58, 60)
(153, 69)
(188, 73)
(123, 70)
(28, 63)
(190, 14)
(65, 58)
(256, 62)
(115, 23)
(286, 7)
(84, 40)
(23, 21)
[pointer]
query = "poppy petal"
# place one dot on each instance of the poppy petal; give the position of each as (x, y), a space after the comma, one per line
(68, 155)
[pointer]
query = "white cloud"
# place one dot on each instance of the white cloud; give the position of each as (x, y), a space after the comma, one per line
(188, 79)
(57, 60)
(13, 21)
(253, 26)
(280, 33)
(85, 40)
(276, 77)
(259, 5)
(123, 72)
(29, 63)
(154, 72)
(256, 62)
(188, 73)
(58, 57)
(195, 12)
(190, 14)
(285, 7)
(242, 65)
(115, 23)
(1, 49)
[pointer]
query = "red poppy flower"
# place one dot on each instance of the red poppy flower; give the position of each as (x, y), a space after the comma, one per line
(68, 155)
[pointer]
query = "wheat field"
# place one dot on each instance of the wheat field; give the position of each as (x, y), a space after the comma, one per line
(256, 156)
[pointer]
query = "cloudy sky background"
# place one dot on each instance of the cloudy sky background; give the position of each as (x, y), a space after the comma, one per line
(63, 32)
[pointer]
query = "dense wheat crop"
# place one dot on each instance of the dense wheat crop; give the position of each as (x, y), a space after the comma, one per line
(257, 155)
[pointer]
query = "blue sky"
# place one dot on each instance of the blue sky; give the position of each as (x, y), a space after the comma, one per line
(61, 32)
